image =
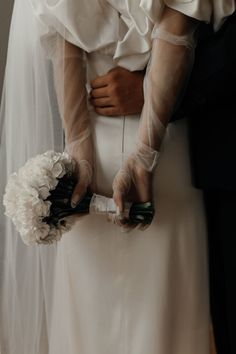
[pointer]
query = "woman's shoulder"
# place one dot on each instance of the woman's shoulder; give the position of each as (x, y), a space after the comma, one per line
(86, 23)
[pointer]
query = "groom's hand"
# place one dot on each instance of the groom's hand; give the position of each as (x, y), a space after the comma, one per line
(118, 93)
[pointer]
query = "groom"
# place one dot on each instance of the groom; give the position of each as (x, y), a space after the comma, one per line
(210, 105)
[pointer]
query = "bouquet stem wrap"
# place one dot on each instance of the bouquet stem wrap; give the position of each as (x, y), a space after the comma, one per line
(60, 199)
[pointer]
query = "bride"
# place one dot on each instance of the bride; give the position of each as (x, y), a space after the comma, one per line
(103, 290)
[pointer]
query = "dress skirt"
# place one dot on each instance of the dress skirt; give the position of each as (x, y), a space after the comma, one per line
(143, 292)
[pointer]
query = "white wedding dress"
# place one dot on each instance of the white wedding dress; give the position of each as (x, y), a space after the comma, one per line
(104, 291)
(143, 292)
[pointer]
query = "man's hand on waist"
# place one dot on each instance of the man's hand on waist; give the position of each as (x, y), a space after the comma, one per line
(118, 93)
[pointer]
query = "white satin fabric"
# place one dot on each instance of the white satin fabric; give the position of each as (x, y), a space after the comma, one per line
(122, 28)
(143, 292)
(98, 291)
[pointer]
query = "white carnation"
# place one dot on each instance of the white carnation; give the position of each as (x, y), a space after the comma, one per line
(26, 194)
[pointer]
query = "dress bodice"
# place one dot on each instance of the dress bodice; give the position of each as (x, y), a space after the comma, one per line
(120, 28)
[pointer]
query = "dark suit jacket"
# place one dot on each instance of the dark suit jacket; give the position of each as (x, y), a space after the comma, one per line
(210, 105)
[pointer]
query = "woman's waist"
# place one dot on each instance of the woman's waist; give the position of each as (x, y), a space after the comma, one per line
(101, 61)
(112, 125)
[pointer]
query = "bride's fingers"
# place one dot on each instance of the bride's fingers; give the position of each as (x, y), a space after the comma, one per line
(78, 193)
(121, 187)
(135, 184)
(119, 201)
(84, 171)
(143, 184)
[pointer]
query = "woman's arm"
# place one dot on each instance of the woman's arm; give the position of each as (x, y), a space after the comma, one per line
(70, 80)
(166, 76)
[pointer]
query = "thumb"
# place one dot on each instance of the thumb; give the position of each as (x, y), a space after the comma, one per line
(121, 187)
(78, 193)
(84, 179)
(119, 201)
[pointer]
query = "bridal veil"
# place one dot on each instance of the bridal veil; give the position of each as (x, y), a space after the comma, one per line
(30, 124)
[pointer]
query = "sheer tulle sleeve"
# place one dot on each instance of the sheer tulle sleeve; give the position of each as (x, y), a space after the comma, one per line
(170, 64)
(69, 68)
(167, 73)
(89, 25)
(44, 89)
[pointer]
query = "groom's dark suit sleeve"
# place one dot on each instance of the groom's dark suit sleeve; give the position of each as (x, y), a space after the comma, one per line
(210, 105)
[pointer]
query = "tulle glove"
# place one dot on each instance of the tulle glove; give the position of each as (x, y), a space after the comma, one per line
(167, 73)
(80, 151)
(70, 76)
(131, 184)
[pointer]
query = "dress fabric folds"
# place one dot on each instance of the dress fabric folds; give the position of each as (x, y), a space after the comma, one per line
(143, 291)
(99, 290)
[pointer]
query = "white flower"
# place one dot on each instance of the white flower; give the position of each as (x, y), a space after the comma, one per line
(26, 194)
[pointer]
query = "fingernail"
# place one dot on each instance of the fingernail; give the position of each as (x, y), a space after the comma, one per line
(75, 200)
(119, 214)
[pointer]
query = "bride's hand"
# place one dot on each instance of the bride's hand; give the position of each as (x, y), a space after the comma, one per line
(119, 92)
(84, 178)
(132, 184)
(82, 154)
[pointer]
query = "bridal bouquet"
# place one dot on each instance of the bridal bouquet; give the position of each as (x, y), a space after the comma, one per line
(38, 200)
